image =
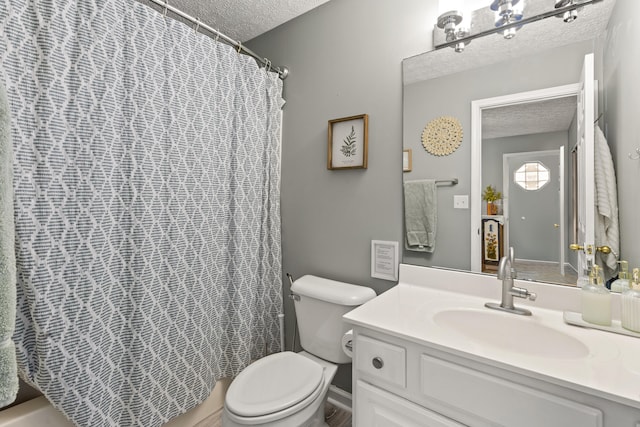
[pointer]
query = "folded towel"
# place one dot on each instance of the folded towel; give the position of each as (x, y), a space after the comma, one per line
(420, 215)
(607, 232)
(8, 370)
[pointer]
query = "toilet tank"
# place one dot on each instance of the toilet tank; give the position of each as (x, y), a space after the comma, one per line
(319, 305)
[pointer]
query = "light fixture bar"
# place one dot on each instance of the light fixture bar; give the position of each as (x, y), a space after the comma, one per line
(527, 20)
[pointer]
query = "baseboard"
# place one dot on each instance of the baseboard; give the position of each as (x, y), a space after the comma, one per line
(339, 398)
(210, 407)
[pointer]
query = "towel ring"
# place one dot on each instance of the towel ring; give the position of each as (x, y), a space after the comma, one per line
(635, 156)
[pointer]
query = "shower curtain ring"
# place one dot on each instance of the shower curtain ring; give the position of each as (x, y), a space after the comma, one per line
(197, 27)
(217, 36)
(239, 47)
(166, 8)
(267, 65)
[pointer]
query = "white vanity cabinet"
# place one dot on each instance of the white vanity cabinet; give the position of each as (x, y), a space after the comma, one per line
(398, 382)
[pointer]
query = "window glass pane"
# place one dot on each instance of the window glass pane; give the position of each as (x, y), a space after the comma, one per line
(532, 176)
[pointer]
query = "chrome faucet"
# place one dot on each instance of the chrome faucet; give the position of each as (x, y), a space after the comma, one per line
(506, 273)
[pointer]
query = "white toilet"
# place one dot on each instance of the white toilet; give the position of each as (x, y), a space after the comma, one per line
(290, 389)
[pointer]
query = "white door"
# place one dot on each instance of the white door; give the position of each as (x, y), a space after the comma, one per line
(561, 202)
(533, 216)
(585, 167)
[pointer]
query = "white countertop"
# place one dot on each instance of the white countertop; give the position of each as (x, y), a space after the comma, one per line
(611, 369)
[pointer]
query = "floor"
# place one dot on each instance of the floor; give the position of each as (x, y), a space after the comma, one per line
(334, 416)
(545, 272)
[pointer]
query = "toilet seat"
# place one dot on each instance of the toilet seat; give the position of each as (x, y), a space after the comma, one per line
(275, 386)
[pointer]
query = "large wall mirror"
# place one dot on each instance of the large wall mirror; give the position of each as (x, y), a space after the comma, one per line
(518, 103)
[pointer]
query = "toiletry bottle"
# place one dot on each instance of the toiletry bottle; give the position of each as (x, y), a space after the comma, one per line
(596, 299)
(621, 284)
(631, 304)
(583, 280)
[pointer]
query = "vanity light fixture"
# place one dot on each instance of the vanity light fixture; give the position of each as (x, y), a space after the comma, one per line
(449, 22)
(507, 12)
(570, 15)
(455, 19)
(460, 22)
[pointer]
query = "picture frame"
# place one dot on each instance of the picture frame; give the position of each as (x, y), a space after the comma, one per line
(348, 142)
(492, 243)
(407, 162)
(384, 260)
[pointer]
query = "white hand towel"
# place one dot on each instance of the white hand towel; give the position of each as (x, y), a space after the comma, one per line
(607, 231)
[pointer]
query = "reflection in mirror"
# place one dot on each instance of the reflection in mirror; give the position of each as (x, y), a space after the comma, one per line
(520, 149)
(444, 83)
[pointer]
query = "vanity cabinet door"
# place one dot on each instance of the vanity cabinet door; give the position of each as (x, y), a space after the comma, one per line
(377, 408)
(489, 400)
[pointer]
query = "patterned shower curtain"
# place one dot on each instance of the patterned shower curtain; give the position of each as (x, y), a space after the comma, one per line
(146, 179)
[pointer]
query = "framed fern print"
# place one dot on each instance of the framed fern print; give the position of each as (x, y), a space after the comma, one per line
(348, 142)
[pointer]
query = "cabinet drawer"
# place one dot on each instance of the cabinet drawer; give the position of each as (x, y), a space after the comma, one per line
(376, 407)
(381, 360)
(489, 400)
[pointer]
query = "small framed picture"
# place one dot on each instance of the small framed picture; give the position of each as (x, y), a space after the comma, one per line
(406, 160)
(348, 142)
(384, 260)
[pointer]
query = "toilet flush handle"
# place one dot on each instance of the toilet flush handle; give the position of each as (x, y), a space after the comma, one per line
(294, 297)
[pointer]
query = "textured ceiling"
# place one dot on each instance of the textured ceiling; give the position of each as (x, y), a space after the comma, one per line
(523, 119)
(243, 20)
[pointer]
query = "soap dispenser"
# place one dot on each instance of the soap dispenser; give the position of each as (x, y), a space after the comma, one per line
(621, 284)
(596, 299)
(631, 304)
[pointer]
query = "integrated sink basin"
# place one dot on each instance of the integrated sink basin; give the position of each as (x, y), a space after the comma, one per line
(510, 332)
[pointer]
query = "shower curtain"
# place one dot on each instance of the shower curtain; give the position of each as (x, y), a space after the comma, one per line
(146, 185)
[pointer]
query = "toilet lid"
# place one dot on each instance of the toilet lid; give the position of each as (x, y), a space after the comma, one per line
(272, 384)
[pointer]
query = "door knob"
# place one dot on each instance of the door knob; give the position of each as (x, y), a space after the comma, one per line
(556, 225)
(603, 249)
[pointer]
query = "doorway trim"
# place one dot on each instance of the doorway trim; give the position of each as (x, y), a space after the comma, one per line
(477, 107)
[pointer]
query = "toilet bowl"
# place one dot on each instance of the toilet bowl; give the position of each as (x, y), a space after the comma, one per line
(290, 389)
(284, 389)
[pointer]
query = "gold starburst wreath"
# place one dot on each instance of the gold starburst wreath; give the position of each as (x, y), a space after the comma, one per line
(442, 136)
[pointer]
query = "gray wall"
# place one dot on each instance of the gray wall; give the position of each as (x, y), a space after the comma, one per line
(621, 119)
(494, 148)
(345, 59)
(451, 96)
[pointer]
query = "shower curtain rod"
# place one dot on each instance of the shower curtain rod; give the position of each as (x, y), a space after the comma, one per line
(282, 72)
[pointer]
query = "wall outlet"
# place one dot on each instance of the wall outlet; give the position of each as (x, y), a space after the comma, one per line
(461, 202)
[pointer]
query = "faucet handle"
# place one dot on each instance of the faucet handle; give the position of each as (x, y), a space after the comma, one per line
(523, 293)
(512, 255)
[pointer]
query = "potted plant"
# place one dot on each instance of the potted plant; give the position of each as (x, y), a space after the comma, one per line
(490, 195)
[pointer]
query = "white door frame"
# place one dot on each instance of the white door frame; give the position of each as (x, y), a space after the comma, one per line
(476, 152)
